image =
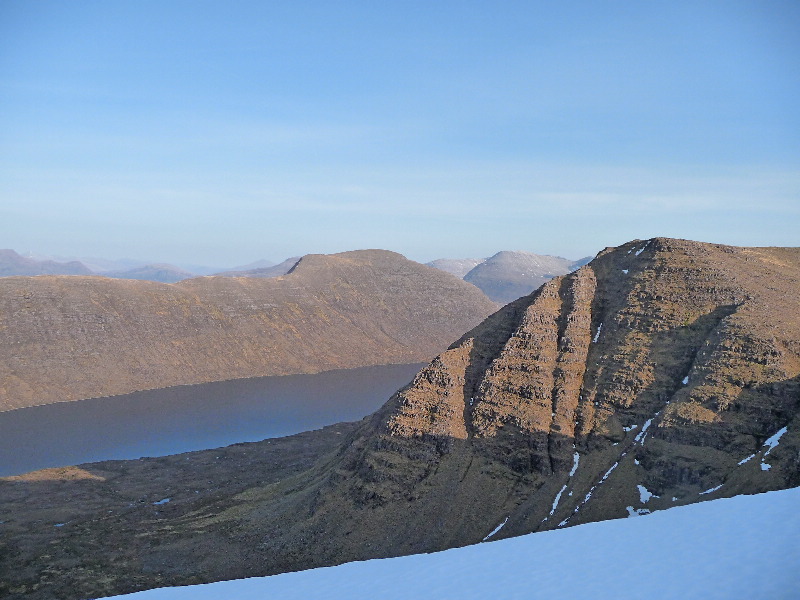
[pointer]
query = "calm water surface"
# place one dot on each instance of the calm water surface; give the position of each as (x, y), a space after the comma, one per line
(191, 417)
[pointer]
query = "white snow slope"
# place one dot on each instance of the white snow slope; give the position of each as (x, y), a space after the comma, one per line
(742, 547)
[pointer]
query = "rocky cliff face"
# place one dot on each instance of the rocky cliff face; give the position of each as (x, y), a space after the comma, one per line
(665, 372)
(66, 338)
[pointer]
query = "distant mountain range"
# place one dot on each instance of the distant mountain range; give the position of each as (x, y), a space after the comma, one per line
(267, 271)
(508, 275)
(12, 263)
(257, 264)
(158, 272)
(503, 277)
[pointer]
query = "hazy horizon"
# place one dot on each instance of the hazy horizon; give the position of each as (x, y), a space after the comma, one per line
(201, 133)
(155, 260)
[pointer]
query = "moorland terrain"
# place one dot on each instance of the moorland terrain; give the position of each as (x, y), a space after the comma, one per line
(665, 372)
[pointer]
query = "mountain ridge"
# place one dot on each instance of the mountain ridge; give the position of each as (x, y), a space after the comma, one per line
(80, 337)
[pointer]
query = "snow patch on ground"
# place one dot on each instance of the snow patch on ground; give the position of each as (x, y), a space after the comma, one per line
(769, 444)
(743, 547)
(614, 466)
(558, 497)
(597, 335)
(164, 501)
(714, 489)
(591, 491)
(496, 529)
(774, 440)
(635, 512)
(685, 380)
(575, 460)
(645, 494)
(643, 433)
(625, 271)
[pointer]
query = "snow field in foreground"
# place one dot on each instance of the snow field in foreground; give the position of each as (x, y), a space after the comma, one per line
(742, 547)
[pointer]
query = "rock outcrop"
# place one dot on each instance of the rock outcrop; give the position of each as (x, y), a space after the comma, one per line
(665, 372)
(67, 338)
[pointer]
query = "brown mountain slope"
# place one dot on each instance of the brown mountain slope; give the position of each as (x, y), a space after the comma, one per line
(65, 338)
(663, 373)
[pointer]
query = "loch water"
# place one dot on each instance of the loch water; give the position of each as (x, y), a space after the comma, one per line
(191, 417)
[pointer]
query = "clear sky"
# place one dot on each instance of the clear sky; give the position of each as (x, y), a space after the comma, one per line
(223, 132)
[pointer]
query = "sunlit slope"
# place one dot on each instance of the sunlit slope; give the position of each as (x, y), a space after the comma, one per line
(65, 338)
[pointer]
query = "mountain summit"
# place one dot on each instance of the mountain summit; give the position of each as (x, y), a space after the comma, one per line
(664, 372)
(508, 275)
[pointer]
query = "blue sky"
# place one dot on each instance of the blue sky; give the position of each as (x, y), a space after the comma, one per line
(220, 133)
